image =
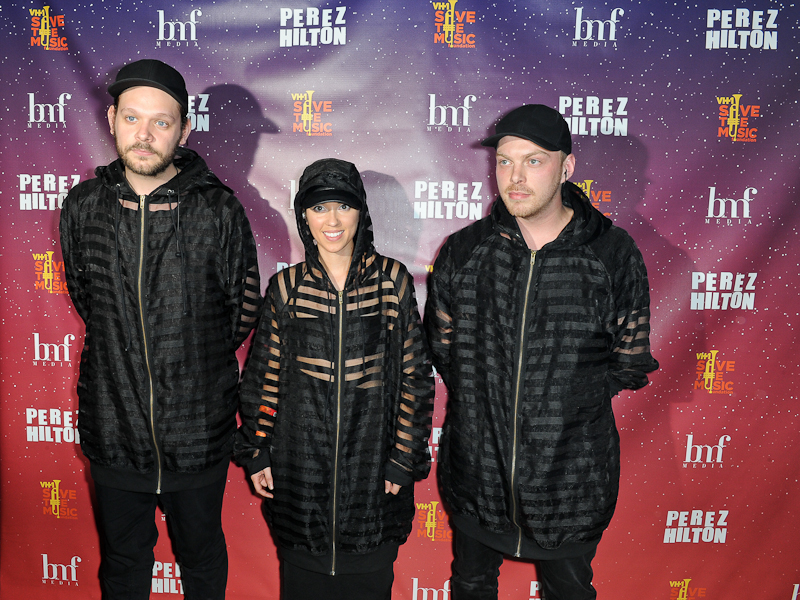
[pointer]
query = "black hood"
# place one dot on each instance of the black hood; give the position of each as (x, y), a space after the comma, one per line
(342, 176)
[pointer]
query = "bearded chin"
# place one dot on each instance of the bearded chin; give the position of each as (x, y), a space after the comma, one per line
(143, 169)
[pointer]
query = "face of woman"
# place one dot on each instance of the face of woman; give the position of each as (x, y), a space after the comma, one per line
(333, 225)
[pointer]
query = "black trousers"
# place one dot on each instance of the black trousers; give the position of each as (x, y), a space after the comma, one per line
(476, 568)
(128, 534)
(301, 584)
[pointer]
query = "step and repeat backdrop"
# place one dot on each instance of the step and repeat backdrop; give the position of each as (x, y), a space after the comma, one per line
(685, 128)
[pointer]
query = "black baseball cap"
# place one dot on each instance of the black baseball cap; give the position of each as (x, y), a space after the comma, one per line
(151, 73)
(537, 123)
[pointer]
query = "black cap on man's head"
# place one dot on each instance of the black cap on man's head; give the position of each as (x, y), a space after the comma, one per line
(151, 73)
(537, 123)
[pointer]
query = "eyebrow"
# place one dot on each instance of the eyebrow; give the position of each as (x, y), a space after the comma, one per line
(155, 116)
(528, 155)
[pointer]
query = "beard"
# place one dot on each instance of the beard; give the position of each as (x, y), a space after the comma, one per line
(536, 203)
(147, 170)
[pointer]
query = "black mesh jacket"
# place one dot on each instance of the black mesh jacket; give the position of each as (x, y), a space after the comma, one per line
(337, 397)
(532, 347)
(167, 294)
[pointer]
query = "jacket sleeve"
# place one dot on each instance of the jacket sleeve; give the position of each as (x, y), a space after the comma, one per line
(242, 281)
(438, 316)
(630, 359)
(69, 229)
(259, 392)
(409, 458)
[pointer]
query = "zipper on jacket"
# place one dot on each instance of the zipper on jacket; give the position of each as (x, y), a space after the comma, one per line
(142, 240)
(339, 373)
(517, 390)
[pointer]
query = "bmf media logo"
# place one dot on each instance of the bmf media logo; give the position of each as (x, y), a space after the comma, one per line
(712, 373)
(59, 502)
(57, 574)
(310, 115)
(596, 33)
(52, 425)
(432, 522)
(49, 273)
(178, 33)
(313, 26)
(598, 198)
(423, 593)
(44, 192)
(704, 456)
(448, 200)
(724, 291)
(680, 590)
(741, 28)
(449, 118)
(729, 211)
(166, 578)
(696, 526)
(734, 119)
(595, 116)
(52, 355)
(450, 24)
(45, 30)
(48, 116)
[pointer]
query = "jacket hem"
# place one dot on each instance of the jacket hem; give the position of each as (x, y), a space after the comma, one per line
(133, 481)
(507, 542)
(346, 564)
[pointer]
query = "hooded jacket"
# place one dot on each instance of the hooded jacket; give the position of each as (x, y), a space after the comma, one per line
(167, 285)
(532, 346)
(337, 397)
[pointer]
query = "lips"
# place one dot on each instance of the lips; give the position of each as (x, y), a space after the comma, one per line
(333, 235)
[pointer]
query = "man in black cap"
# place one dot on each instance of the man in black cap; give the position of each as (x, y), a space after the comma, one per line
(161, 266)
(538, 315)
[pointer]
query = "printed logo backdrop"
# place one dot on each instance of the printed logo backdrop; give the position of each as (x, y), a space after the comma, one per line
(685, 128)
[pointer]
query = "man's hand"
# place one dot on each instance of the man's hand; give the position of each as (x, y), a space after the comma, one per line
(262, 481)
(388, 487)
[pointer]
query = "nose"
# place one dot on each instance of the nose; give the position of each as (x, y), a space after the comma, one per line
(517, 173)
(143, 132)
(333, 217)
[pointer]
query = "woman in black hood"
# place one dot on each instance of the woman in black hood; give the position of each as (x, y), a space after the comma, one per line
(337, 399)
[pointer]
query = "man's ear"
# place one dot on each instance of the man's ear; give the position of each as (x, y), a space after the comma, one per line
(112, 114)
(568, 166)
(187, 128)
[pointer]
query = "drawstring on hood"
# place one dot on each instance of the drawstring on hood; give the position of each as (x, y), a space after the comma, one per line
(176, 226)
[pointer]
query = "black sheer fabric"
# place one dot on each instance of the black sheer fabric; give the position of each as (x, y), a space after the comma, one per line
(166, 300)
(337, 397)
(529, 442)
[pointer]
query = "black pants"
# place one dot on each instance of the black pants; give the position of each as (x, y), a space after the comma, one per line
(128, 534)
(301, 584)
(476, 568)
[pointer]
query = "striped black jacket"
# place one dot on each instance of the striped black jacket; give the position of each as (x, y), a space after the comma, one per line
(337, 397)
(167, 295)
(532, 347)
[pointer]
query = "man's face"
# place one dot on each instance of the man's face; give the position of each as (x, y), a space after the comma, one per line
(146, 126)
(529, 177)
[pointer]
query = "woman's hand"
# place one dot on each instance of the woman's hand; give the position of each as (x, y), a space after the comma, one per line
(262, 481)
(388, 487)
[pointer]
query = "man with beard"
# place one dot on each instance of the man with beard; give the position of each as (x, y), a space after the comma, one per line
(161, 266)
(537, 315)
